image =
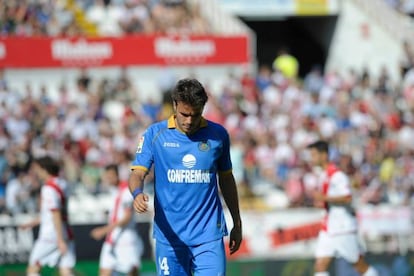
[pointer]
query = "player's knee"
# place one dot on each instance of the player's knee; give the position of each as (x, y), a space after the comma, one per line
(33, 270)
(107, 272)
(370, 272)
(134, 272)
(360, 265)
(322, 265)
(66, 272)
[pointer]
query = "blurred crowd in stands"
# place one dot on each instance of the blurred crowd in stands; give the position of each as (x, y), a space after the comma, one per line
(271, 119)
(403, 6)
(271, 115)
(119, 17)
(37, 18)
(113, 17)
(110, 17)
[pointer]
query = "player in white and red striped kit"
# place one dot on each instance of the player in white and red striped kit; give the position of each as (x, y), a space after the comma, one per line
(122, 249)
(339, 233)
(55, 244)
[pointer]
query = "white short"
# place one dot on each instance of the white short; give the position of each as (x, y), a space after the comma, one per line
(347, 246)
(120, 258)
(46, 253)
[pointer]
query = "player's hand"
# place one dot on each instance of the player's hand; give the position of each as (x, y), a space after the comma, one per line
(29, 225)
(318, 196)
(141, 203)
(63, 247)
(235, 239)
(98, 233)
(318, 199)
(26, 226)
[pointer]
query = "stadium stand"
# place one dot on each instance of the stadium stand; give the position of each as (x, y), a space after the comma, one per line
(396, 23)
(39, 18)
(403, 6)
(101, 18)
(89, 122)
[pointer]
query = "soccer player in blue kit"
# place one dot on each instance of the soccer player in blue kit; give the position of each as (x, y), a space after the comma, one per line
(189, 154)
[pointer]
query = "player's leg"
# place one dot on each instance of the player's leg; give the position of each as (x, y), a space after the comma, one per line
(135, 254)
(350, 249)
(209, 259)
(128, 259)
(172, 260)
(322, 266)
(364, 268)
(105, 272)
(34, 267)
(42, 253)
(68, 260)
(106, 260)
(33, 270)
(117, 273)
(324, 252)
(134, 272)
(66, 271)
(361, 265)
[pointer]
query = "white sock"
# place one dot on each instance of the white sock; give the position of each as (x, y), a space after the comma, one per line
(371, 272)
(33, 274)
(325, 273)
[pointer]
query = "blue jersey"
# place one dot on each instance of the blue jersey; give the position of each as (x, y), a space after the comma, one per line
(187, 203)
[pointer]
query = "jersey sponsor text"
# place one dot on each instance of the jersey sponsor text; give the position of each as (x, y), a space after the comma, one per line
(188, 176)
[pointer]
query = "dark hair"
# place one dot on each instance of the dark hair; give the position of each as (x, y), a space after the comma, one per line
(112, 167)
(189, 91)
(320, 146)
(49, 164)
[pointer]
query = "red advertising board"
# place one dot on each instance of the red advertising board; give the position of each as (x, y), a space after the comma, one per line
(20, 52)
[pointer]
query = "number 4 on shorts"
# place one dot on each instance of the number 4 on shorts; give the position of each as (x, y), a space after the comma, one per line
(163, 264)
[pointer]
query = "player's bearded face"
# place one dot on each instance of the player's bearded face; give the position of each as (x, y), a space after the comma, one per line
(187, 117)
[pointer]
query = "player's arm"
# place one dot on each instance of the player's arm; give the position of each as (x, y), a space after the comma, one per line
(100, 232)
(57, 223)
(136, 186)
(229, 191)
(345, 199)
(33, 223)
(123, 221)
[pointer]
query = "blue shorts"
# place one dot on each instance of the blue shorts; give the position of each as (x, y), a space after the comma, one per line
(207, 259)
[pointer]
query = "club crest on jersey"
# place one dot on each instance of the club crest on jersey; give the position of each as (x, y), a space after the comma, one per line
(140, 144)
(204, 145)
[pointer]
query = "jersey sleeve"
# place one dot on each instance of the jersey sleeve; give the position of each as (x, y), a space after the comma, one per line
(51, 199)
(340, 185)
(224, 162)
(144, 153)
